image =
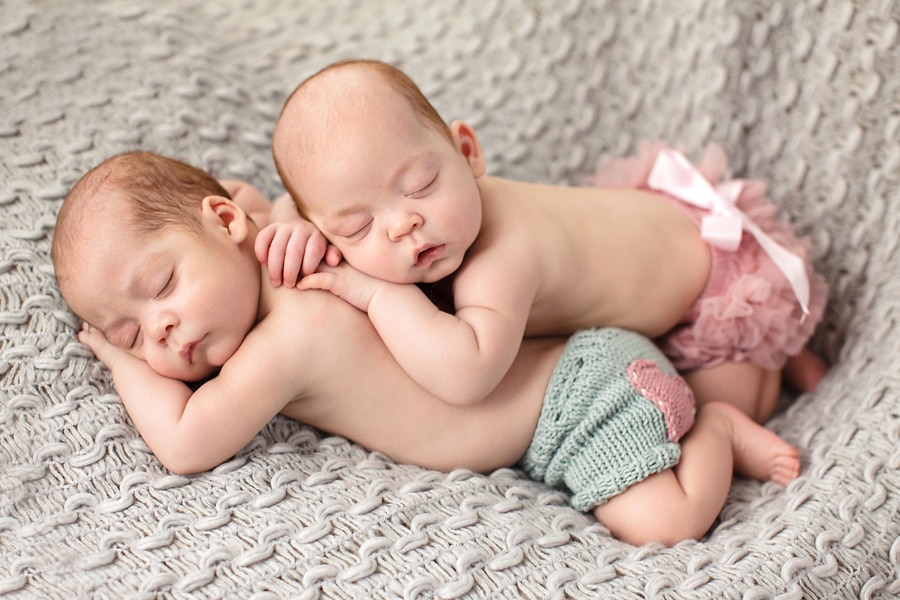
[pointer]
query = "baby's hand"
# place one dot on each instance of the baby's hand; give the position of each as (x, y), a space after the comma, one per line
(97, 343)
(293, 249)
(352, 286)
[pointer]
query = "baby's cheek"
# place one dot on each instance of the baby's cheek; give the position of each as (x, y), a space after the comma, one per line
(372, 261)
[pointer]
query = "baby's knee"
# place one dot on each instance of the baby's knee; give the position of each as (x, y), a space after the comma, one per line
(656, 510)
(640, 528)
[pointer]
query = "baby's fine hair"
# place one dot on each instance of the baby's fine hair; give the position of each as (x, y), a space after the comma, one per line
(397, 79)
(159, 191)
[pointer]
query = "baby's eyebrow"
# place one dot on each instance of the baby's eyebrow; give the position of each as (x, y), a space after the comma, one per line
(140, 277)
(346, 212)
(113, 330)
(406, 165)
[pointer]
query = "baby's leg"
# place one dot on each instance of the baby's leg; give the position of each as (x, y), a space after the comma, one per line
(683, 502)
(803, 372)
(745, 385)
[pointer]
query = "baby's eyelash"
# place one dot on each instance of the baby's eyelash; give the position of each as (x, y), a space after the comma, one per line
(360, 230)
(426, 186)
(167, 285)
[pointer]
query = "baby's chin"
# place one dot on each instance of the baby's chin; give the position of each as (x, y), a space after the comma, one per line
(195, 375)
(203, 375)
(436, 272)
(433, 277)
(189, 374)
(427, 277)
(440, 270)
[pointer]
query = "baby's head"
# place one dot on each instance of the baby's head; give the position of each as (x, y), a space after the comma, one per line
(152, 252)
(142, 191)
(323, 105)
(370, 162)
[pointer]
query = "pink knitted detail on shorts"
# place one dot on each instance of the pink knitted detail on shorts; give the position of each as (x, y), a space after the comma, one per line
(670, 394)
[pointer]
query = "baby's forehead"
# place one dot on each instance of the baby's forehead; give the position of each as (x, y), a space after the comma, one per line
(350, 94)
(107, 264)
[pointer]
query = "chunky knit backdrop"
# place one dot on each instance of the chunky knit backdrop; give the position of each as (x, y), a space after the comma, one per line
(802, 93)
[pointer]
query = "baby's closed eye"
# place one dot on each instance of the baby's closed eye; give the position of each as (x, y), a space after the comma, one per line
(423, 187)
(355, 229)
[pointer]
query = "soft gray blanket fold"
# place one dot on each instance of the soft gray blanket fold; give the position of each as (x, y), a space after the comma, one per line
(803, 94)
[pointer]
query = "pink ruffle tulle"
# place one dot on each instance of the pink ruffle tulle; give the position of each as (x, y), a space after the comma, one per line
(748, 310)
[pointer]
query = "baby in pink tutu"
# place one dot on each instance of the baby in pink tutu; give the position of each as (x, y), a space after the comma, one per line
(658, 247)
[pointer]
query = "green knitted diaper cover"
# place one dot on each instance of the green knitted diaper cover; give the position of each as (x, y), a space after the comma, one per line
(613, 413)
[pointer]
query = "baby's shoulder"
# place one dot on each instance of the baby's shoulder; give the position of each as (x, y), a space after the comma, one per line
(306, 328)
(302, 316)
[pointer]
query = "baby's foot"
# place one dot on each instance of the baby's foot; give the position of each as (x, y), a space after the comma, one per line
(758, 452)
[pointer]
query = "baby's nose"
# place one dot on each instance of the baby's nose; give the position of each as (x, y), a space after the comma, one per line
(405, 224)
(163, 327)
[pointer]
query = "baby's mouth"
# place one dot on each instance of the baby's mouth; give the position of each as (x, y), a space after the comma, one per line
(428, 255)
(187, 353)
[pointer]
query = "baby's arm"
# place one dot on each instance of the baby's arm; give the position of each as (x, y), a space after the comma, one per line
(188, 431)
(458, 358)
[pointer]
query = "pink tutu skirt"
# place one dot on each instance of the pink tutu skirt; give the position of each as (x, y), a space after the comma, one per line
(748, 310)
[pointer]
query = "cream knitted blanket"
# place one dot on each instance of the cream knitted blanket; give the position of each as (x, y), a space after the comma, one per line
(803, 94)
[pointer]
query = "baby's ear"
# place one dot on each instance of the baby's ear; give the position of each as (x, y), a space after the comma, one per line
(467, 143)
(225, 216)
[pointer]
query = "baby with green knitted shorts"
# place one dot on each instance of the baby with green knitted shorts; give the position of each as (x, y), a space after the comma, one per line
(613, 414)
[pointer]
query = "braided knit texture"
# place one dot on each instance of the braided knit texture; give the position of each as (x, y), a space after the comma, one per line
(803, 94)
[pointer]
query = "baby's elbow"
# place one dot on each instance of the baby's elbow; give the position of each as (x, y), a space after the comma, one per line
(462, 400)
(183, 463)
(179, 466)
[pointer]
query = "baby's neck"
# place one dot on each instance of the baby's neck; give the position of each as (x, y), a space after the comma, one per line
(266, 291)
(266, 295)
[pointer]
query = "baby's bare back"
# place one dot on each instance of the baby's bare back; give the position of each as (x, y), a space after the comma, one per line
(357, 390)
(602, 257)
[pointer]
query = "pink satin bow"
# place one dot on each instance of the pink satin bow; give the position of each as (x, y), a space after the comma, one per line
(673, 174)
